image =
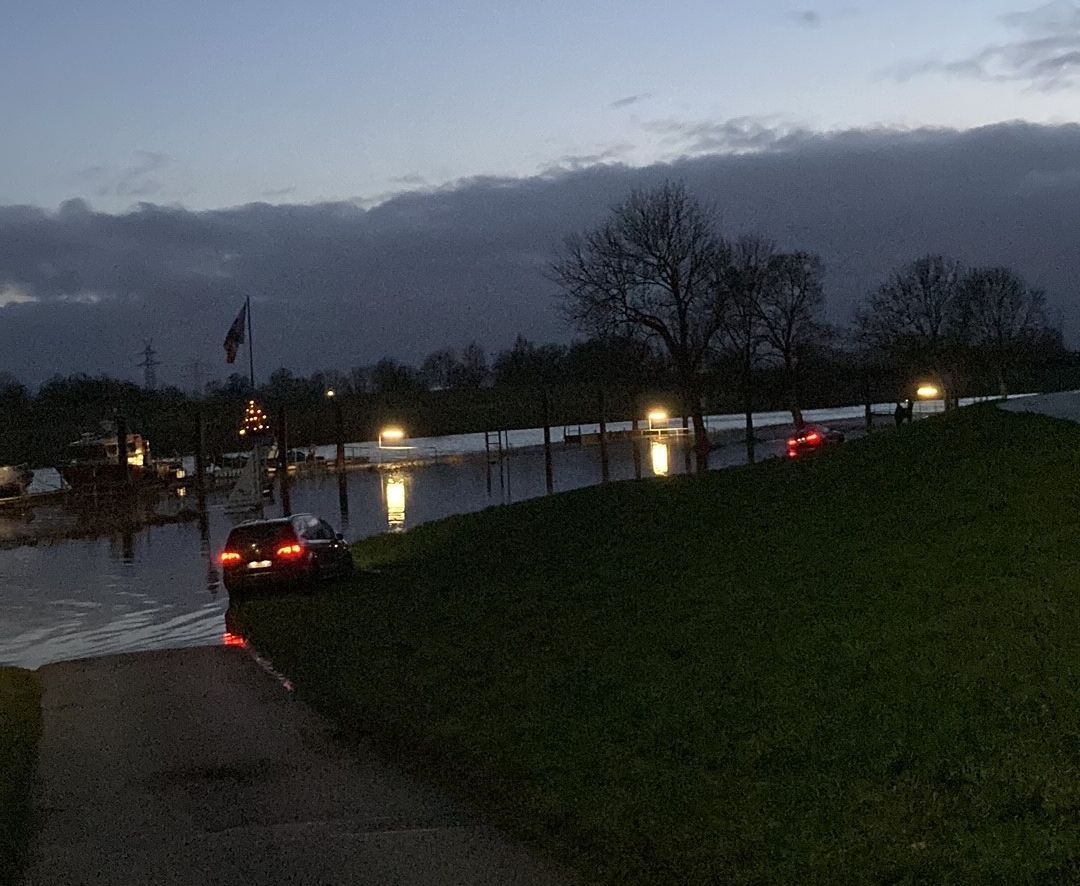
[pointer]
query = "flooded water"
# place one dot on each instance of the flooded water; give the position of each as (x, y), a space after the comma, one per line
(78, 583)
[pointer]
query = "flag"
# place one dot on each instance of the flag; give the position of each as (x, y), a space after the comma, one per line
(235, 336)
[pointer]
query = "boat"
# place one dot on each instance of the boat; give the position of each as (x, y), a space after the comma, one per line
(15, 480)
(94, 463)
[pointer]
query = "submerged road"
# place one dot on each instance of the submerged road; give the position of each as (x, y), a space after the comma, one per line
(1065, 404)
(195, 766)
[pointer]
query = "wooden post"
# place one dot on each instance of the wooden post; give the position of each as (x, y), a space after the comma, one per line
(121, 449)
(283, 463)
(200, 463)
(605, 473)
(549, 477)
(635, 443)
(339, 459)
(487, 459)
(505, 435)
(688, 464)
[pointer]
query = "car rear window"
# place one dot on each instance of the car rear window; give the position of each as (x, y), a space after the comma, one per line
(260, 533)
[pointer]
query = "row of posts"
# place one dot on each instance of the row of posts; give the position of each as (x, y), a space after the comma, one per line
(339, 459)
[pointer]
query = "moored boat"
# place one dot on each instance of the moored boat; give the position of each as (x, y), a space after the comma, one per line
(15, 480)
(94, 462)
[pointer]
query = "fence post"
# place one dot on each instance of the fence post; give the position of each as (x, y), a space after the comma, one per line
(549, 477)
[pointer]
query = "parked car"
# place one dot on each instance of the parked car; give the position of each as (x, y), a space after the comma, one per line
(811, 440)
(294, 551)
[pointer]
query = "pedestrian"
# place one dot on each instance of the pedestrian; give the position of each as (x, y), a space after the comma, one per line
(910, 410)
(900, 413)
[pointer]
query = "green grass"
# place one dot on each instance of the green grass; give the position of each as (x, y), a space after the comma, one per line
(864, 668)
(20, 726)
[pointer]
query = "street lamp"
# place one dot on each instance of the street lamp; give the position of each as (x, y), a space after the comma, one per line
(391, 437)
(658, 419)
(927, 392)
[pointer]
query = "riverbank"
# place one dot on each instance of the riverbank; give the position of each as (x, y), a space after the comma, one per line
(856, 669)
(20, 728)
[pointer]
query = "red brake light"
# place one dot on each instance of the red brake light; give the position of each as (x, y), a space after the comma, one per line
(290, 552)
(813, 438)
(792, 443)
(229, 557)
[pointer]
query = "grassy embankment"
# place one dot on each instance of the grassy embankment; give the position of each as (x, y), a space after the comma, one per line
(20, 726)
(861, 669)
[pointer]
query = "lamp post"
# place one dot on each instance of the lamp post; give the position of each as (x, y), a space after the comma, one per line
(339, 457)
(928, 391)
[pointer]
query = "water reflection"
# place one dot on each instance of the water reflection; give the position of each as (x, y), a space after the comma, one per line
(79, 581)
(658, 455)
(395, 502)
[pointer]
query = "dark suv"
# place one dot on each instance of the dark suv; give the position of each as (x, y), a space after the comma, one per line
(289, 551)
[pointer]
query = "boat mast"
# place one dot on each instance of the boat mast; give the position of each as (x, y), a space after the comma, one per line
(251, 347)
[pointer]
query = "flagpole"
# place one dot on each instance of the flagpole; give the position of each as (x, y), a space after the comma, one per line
(251, 347)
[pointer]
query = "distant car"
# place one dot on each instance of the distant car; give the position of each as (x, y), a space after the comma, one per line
(287, 552)
(811, 440)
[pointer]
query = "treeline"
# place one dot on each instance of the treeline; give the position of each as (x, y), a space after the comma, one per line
(459, 392)
(661, 269)
(674, 313)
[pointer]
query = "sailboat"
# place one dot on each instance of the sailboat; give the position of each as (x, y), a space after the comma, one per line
(247, 492)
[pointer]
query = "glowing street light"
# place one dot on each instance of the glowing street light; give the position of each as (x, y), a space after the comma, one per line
(391, 437)
(658, 419)
(330, 394)
(928, 392)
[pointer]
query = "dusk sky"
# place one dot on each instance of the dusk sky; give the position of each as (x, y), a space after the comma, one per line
(206, 106)
(215, 104)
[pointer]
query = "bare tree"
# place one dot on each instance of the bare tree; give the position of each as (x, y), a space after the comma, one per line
(1005, 315)
(438, 369)
(791, 316)
(648, 271)
(918, 315)
(743, 276)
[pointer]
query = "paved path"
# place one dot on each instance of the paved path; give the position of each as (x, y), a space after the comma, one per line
(193, 766)
(1061, 405)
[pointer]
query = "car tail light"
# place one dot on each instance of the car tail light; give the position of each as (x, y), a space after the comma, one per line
(290, 552)
(228, 557)
(813, 438)
(792, 443)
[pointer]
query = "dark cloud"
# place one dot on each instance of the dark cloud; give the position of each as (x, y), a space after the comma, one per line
(736, 135)
(1045, 54)
(140, 177)
(815, 18)
(278, 193)
(629, 100)
(339, 285)
(574, 162)
(808, 18)
(411, 179)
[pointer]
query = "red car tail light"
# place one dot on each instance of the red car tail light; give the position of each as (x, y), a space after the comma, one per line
(289, 552)
(813, 438)
(228, 557)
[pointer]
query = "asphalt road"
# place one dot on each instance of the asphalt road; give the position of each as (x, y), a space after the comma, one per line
(195, 766)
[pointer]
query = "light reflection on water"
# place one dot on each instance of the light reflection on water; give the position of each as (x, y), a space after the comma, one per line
(156, 586)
